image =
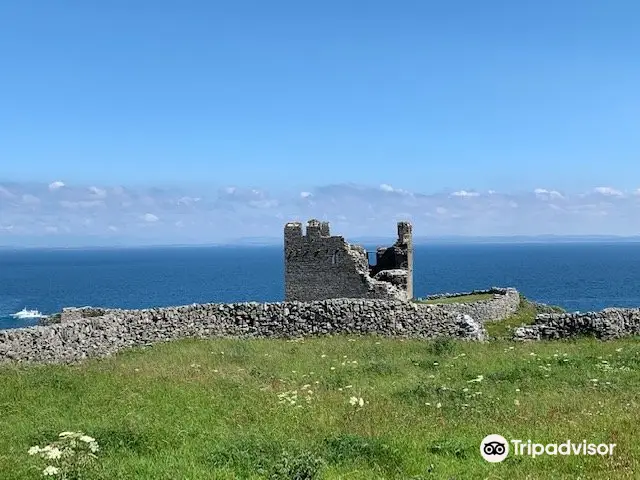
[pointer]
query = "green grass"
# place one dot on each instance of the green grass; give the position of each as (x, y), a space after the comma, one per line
(209, 409)
(476, 297)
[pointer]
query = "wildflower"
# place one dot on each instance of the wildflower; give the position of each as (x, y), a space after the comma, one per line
(465, 389)
(53, 453)
(619, 349)
(50, 471)
(517, 389)
(323, 356)
(361, 402)
(333, 368)
(304, 387)
(479, 378)
(34, 450)
(438, 405)
(353, 400)
(67, 434)
(87, 439)
(516, 402)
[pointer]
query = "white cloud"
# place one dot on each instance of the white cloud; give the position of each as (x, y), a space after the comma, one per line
(56, 185)
(188, 200)
(230, 190)
(355, 210)
(465, 193)
(608, 191)
(545, 194)
(98, 192)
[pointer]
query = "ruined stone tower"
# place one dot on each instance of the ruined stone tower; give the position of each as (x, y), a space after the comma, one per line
(319, 266)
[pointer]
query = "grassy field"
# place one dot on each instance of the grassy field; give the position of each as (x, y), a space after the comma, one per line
(203, 409)
(459, 299)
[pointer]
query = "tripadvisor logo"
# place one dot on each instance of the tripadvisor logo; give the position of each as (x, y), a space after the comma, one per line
(495, 448)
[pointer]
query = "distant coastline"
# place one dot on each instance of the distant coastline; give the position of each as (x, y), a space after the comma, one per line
(275, 242)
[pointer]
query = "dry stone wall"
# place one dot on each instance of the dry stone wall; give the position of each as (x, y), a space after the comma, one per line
(608, 324)
(97, 336)
(504, 303)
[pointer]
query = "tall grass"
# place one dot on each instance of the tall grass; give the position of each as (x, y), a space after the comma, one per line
(203, 409)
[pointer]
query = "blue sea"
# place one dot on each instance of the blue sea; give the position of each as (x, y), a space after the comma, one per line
(578, 277)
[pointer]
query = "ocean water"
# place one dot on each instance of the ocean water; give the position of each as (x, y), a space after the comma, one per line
(575, 276)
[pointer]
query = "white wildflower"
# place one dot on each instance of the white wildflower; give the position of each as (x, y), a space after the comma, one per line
(34, 450)
(53, 453)
(93, 446)
(516, 402)
(87, 439)
(438, 405)
(353, 400)
(67, 434)
(50, 471)
(361, 402)
(479, 378)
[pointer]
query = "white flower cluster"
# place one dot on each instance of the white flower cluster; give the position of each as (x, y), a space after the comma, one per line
(69, 446)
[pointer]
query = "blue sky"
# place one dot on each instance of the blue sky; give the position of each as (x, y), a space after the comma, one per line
(288, 96)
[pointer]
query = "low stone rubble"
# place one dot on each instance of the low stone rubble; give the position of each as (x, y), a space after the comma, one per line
(608, 324)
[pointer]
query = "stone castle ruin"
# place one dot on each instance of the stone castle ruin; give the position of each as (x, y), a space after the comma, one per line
(319, 266)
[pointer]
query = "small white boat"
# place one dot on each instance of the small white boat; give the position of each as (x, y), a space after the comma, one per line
(24, 313)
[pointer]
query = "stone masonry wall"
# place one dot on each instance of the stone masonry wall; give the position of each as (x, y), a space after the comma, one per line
(607, 324)
(319, 266)
(504, 303)
(101, 336)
